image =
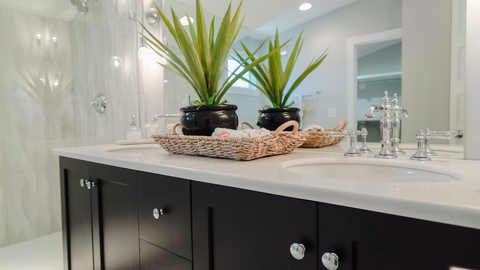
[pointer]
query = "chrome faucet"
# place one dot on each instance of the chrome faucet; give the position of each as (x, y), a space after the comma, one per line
(423, 135)
(385, 126)
(397, 114)
(173, 115)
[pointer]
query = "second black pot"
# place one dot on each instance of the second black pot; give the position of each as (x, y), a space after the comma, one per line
(202, 120)
(272, 118)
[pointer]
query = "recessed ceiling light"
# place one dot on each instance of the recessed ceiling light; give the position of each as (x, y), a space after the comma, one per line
(184, 20)
(305, 6)
(283, 53)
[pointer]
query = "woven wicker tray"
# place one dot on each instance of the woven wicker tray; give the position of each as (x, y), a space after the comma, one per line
(278, 143)
(322, 138)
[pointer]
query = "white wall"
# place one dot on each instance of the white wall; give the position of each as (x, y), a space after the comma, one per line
(332, 30)
(387, 60)
(383, 61)
(472, 124)
(426, 65)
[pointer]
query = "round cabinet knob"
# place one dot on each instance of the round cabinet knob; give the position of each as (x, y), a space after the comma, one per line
(157, 213)
(330, 260)
(297, 251)
(82, 182)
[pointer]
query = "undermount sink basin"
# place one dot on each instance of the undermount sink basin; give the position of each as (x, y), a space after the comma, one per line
(141, 148)
(381, 171)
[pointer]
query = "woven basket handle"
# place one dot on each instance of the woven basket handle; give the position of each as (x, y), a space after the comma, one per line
(174, 128)
(286, 125)
(340, 126)
(244, 123)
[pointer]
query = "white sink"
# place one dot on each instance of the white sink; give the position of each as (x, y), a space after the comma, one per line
(140, 148)
(373, 170)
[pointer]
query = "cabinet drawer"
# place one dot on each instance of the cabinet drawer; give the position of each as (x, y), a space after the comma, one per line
(170, 196)
(154, 258)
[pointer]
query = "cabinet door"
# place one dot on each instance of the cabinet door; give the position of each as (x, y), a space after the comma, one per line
(236, 229)
(155, 258)
(115, 218)
(76, 215)
(374, 241)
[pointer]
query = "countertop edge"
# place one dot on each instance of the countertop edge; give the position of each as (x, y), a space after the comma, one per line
(452, 215)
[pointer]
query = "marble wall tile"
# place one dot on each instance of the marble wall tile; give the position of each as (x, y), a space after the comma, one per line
(25, 145)
(96, 46)
(53, 178)
(45, 94)
(36, 102)
(3, 211)
(28, 205)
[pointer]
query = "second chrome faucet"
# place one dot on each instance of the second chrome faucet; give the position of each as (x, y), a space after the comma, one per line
(386, 125)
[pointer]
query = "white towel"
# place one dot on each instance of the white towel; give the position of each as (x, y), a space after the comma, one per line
(248, 133)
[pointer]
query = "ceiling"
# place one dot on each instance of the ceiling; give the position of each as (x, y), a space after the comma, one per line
(293, 17)
(367, 49)
(263, 16)
(56, 9)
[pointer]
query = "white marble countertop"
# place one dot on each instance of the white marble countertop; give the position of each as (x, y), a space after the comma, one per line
(455, 202)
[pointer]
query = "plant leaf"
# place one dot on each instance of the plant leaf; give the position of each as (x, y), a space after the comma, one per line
(203, 46)
(247, 69)
(191, 57)
(219, 55)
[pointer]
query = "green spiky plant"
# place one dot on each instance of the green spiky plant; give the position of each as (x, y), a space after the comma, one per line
(204, 55)
(272, 80)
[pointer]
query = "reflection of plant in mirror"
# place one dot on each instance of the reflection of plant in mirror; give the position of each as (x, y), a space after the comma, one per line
(272, 80)
(205, 56)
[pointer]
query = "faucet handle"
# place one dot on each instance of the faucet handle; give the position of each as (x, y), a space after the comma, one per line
(442, 135)
(352, 134)
(423, 136)
(364, 148)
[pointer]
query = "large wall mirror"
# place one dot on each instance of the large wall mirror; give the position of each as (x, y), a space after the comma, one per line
(414, 49)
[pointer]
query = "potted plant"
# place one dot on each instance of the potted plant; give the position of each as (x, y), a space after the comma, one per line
(202, 65)
(272, 81)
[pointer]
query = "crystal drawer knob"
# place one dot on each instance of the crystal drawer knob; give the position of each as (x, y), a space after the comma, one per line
(297, 251)
(90, 184)
(157, 213)
(330, 260)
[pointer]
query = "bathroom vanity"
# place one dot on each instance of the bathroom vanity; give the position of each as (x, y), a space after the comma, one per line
(141, 208)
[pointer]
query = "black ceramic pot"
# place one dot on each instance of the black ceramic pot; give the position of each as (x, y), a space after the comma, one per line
(202, 120)
(272, 118)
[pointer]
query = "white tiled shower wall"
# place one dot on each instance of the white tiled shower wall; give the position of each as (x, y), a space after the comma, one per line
(36, 115)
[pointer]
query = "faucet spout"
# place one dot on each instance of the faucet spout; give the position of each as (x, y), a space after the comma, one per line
(371, 111)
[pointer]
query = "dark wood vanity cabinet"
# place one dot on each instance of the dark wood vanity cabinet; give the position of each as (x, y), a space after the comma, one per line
(124, 219)
(375, 241)
(100, 216)
(236, 229)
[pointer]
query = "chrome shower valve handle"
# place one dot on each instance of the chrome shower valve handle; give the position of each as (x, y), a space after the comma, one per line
(99, 103)
(352, 134)
(423, 135)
